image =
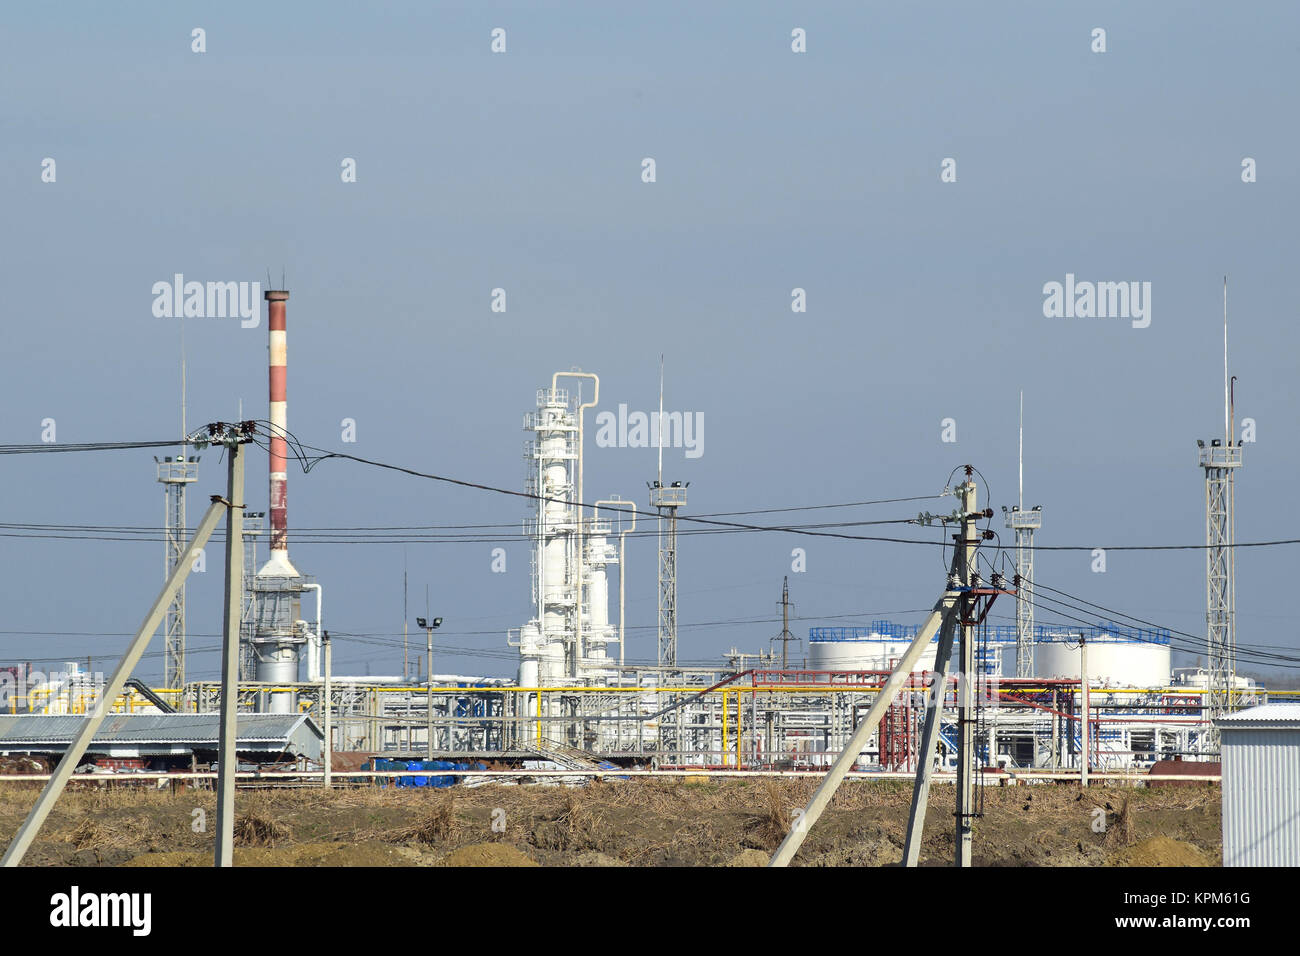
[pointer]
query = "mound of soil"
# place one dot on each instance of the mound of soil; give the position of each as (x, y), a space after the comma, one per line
(1161, 851)
(749, 858)
(487, 854)
(369, 853)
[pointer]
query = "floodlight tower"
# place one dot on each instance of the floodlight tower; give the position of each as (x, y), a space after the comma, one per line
(174, 473)
(666, 500)
(1024, 523)
(1221, 461)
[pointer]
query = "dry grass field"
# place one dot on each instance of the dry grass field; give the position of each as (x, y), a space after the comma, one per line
(691, 822)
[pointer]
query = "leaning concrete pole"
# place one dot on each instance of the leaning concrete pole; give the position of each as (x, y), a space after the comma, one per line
(59, 779)
(226, 751)
(929, 738)
(844, 763)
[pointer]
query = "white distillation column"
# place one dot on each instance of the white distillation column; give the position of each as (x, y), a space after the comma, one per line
(558, 575)
(597, 633)
(547, 643)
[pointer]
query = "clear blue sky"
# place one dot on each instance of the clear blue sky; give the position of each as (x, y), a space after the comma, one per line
(775, 170)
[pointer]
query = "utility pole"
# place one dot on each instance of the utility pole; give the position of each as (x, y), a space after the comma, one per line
(329, 740)
(406, 654)
(226, 751)
(22, 841)
(967, 542)
(1085, 701)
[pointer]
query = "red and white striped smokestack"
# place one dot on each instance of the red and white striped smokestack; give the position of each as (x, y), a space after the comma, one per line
(279, 561)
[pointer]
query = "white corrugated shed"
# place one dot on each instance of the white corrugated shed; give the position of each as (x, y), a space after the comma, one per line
(1261, 786)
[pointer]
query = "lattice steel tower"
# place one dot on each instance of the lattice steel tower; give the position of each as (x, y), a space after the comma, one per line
(1024, 523)
(1221, 461)
(174, 474)
(667, 500)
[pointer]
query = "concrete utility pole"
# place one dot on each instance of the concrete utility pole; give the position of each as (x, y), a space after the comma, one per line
(929, 737)
(848, 757)
(975, 601)
(967, 542)
(955, 607)
(329, 740)
(1085, 702)
(95, 718)
(958, 607)
(227, 756)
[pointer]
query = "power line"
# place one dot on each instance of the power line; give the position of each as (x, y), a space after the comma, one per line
(46, 448)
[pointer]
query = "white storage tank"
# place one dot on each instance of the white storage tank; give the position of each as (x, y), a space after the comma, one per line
(875, 648)
(1116, 657)
(1261, 786)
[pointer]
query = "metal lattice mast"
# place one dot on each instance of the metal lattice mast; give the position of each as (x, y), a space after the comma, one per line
(1024, 523)
(666, 500)
(1220, 461)
(175, 474)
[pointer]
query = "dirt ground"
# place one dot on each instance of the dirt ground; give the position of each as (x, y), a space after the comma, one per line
(697, 822)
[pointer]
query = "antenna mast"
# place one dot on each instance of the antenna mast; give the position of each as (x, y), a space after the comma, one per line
(666, 501)
(661, 419)
(1024, 523)
(1220, 462)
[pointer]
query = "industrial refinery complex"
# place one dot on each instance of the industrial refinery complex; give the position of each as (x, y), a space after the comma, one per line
(1100, 698)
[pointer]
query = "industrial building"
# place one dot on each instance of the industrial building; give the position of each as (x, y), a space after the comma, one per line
(1261, 786)
(163, 741)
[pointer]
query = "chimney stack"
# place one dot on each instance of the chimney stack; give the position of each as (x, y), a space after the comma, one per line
(279, 504)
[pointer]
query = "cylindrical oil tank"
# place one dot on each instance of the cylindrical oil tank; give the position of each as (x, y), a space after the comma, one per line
(869, 652)
(1117, 662)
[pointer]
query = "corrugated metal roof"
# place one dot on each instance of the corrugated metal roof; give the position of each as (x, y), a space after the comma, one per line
(152, 728)
(1281, 716)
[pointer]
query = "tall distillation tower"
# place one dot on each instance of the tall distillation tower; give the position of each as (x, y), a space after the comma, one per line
(565, 642)
(1024, 523)
(1220, 462)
